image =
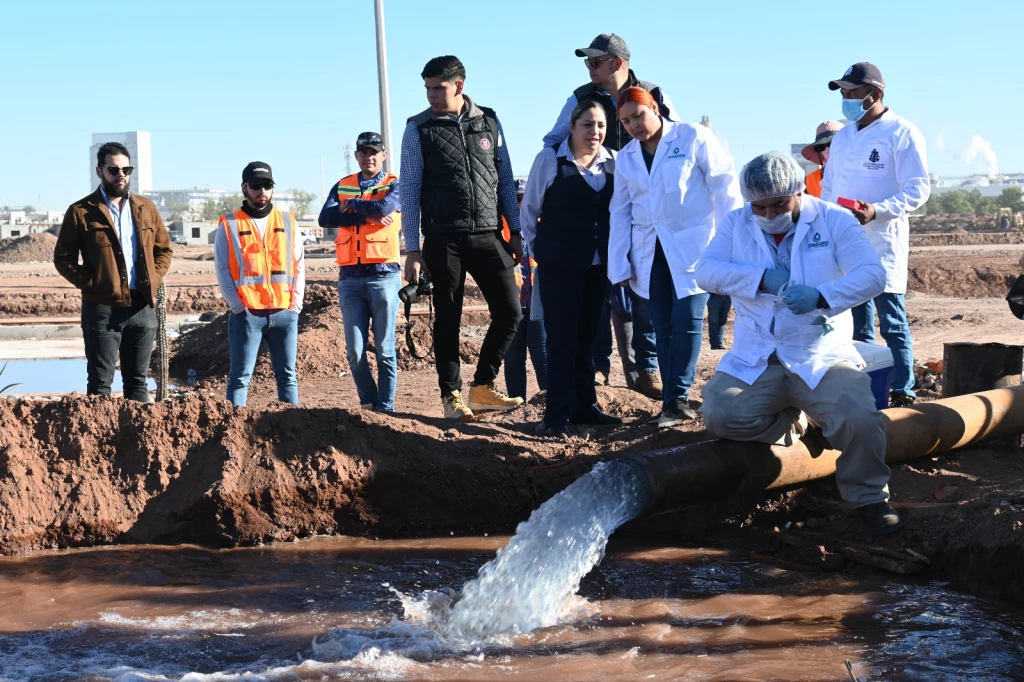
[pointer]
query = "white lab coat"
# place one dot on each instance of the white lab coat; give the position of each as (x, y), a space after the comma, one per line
(830, 253)
(689, 190)
(885, 165)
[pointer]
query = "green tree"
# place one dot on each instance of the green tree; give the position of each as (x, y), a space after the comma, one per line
(303, 200)
(956, 201)
(227, 205)
(211, 210)
(1012, 199)
(29, 210)
(178, 211)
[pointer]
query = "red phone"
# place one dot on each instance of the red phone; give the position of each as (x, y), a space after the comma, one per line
(850, 203)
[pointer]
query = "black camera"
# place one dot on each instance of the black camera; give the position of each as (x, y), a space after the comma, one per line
(410, 292)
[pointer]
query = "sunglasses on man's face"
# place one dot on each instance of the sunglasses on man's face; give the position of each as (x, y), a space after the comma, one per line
(821, 147)
(596, 63)
(261, 184)
(115, 171)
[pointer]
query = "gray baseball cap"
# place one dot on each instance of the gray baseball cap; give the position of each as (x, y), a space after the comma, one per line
(606, 43)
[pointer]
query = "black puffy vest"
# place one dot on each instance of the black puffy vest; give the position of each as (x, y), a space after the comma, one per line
(460, 172)
(574, 219)
(616, 136)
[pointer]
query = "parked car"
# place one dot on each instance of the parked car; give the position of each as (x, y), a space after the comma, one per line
(179, 239)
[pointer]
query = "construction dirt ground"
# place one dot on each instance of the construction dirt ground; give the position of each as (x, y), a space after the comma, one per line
(80, 471)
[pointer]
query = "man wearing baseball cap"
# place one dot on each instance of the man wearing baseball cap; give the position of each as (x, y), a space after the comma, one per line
(878, 168)
(261, 271)
(607, 61)
(818, 152)
(364, 208)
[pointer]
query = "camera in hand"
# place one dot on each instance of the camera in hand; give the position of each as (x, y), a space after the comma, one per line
(410, 292)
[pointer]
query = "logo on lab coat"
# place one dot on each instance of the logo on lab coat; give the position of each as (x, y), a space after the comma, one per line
(816, 242)
(676, 154)
(873, 159)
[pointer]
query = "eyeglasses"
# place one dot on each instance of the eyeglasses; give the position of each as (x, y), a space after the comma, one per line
(595, 64)
(260, 184)
(115, 171)
(821, 147)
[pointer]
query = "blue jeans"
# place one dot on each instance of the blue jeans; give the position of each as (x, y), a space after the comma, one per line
(718, 314)
(892, 319)
(627, 314)
(362, 300)
(245, 332)
(678, 328)
(529, 336)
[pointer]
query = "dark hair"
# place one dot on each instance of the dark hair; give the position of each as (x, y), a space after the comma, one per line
(110, 148)
(582, 108)
(448, 68)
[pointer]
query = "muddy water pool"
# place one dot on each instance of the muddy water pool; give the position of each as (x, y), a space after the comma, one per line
(355, 609)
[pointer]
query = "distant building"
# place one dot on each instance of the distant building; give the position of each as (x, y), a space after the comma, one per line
(194, 199)
(140, 147)
(192, 232)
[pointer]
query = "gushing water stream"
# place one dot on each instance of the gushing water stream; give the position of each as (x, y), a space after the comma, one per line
(529, 583)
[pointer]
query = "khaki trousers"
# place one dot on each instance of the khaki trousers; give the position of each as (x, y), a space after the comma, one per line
(770, 411)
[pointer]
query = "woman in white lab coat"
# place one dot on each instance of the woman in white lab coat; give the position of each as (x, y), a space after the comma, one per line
(673, 185)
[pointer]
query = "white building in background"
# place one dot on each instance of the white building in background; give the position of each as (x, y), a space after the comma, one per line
(140, 147)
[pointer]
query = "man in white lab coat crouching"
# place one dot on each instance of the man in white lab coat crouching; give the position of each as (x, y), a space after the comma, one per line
(795, 266)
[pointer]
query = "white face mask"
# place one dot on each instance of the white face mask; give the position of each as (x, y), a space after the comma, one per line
(780, 224)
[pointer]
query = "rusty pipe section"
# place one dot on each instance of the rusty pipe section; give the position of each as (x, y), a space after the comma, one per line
(713, 470)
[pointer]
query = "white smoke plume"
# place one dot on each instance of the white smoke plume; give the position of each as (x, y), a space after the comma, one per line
(979, 146)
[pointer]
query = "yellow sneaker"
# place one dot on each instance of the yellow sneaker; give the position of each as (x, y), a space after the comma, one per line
(455, 408)
(484, 397)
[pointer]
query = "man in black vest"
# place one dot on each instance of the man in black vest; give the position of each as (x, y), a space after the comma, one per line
(456, 184)
(607, 60)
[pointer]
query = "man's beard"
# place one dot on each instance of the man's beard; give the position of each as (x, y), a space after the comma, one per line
(113, 191)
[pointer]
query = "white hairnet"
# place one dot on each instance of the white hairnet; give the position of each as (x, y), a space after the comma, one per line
(770, 176)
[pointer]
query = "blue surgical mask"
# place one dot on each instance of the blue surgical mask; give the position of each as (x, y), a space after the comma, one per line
(853, 109)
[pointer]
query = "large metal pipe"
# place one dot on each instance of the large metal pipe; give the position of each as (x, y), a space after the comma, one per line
(713, 470)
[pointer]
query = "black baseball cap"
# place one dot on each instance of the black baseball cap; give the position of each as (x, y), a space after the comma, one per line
(861, 73)
(257, 170)
(606, 43)
(372, 141)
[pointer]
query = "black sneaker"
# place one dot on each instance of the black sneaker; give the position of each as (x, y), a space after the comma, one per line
(882, 518)
(901, 400)
(673, 414)
(593, 416)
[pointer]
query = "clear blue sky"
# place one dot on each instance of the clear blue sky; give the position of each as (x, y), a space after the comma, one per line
(222, 83)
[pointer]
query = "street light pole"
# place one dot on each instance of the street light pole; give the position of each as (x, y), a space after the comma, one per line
(382, 79)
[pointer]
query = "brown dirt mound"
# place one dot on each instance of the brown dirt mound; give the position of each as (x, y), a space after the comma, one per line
(31, 248)
(321, 345)
(181, 300)
(964, 238)
(87, 471)
(961, 277)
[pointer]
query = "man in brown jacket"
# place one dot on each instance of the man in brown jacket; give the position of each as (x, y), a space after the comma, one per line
(125, 252)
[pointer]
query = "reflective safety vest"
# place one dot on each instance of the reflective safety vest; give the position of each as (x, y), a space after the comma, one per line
(369, 243)
(263, 268)
(813, 182)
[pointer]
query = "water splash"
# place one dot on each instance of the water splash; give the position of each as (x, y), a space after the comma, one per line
(531, 581)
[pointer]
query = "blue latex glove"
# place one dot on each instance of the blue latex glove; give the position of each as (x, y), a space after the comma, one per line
(774, 280)
(800, 299)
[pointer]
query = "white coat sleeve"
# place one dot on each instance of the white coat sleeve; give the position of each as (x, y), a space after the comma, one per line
(716, 271)
(224, 279)
(863, 275)
(720, 176)
(299, 257)
(827, 179)
(561, 130)
(542, 174)
(912, 176)
(620, 231)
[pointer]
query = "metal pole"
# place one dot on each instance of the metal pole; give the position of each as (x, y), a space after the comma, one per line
(382, 79)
